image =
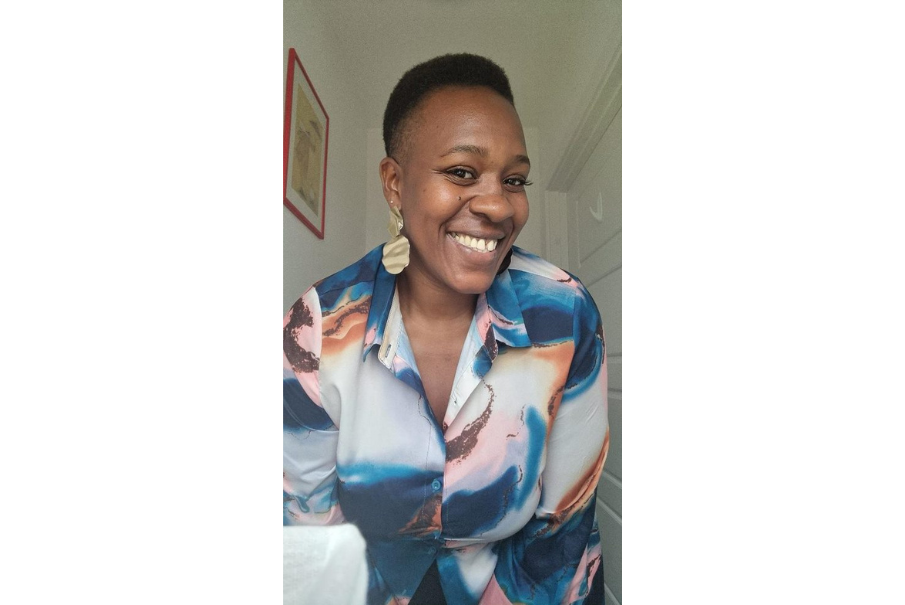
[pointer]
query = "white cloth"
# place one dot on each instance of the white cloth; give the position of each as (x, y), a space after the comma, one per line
(324, 565)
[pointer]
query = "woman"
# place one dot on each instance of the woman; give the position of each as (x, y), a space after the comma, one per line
(447, 392)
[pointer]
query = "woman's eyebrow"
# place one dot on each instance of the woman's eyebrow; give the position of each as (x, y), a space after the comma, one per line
(482, 151)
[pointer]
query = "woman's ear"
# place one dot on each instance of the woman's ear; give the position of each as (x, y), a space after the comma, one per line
(390, 176)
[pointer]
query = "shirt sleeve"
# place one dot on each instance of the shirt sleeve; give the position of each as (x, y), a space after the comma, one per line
(552, 560)
(310, 436)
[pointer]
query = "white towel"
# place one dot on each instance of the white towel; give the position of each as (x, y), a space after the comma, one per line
(324, 565)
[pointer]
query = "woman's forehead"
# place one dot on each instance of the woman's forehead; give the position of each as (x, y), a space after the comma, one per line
(464, 99)
(474, 120)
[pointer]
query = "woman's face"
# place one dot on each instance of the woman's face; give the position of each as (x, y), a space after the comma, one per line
(461, 188)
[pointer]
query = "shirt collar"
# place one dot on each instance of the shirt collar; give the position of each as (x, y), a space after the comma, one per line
(381, 302)
(505, 312)
(498, 314)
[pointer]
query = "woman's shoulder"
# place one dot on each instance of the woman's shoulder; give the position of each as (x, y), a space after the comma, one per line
(552, 303)
(348, 284)
(532, 273)
(361, 272)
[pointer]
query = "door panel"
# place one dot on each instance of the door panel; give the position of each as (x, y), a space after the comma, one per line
(611, 531)
(614, 457)
(607, 293)
(614, 378)
(604, 261)
(610, 492)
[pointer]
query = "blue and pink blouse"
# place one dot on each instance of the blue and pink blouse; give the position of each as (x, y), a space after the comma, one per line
(501, 491)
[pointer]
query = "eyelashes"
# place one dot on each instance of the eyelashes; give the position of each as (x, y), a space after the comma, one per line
(466, 174)
(461, 173)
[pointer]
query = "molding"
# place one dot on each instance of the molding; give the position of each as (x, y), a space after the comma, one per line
(604, 103)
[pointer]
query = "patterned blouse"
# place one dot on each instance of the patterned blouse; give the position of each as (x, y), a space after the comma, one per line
(501, 492)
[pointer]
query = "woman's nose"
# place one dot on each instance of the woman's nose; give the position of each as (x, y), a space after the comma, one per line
(493, 204)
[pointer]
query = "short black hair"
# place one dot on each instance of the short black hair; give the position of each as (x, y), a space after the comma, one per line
(462, 69)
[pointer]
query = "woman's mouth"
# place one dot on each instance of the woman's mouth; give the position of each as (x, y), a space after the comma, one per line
(475, 243)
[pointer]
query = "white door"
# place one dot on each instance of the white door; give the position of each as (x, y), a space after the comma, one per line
(588, 183)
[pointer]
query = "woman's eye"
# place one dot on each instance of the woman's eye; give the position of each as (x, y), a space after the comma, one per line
(517, 182)
(461, 173)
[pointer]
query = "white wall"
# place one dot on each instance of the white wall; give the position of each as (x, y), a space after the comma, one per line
(378, 213)
(305, 257)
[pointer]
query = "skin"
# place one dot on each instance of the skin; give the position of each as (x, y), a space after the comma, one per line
(463, 171)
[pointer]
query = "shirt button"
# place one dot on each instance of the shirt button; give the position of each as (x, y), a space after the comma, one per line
(436, 485)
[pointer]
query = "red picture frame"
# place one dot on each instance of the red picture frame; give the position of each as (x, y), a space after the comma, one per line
(306, 129)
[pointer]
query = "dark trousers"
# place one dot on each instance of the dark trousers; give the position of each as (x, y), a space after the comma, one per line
(429, 591)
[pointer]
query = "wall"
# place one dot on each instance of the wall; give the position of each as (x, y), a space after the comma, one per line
(305, 257)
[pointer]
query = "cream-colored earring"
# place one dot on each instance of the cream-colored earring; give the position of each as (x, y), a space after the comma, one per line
(396, 251)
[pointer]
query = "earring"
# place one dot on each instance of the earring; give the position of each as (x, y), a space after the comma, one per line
(396, 251)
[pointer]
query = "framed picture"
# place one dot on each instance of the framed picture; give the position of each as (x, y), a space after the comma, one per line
(305, 132)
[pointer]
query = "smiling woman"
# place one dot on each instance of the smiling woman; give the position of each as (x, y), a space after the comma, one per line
(448, 396)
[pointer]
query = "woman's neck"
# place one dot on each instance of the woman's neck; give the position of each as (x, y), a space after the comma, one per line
(422, 300)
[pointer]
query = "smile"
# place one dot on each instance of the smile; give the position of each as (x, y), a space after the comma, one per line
(475, 243)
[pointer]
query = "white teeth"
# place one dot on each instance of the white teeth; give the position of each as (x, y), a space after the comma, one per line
(476, 243)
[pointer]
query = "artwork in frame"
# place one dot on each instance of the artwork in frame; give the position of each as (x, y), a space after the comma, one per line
(305, 132)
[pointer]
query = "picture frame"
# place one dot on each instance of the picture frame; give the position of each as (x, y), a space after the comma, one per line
(306, 130)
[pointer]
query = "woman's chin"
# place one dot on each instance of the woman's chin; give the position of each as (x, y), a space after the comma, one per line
(472, 282)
